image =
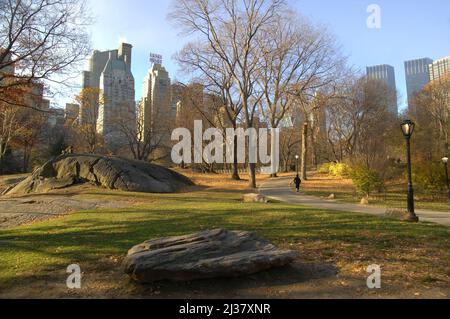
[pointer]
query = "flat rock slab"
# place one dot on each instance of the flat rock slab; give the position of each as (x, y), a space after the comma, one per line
(108, 172)
(211, 254)
(255, 198)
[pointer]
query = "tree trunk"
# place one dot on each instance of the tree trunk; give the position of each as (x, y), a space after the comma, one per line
(26, 160)
(252, 172)
(2, 156)
(235, 175)
(304, 151)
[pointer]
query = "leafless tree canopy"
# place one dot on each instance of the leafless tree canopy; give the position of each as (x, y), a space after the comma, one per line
(433, 105)
(260, 50)
(359, 120)
(41, 40)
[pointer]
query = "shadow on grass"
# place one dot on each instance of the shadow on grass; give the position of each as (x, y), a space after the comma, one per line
(87, 237)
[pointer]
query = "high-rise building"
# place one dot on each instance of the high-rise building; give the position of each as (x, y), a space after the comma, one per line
(439, 68)
(155, 107)
(72, 112)
(417, 76)
(117, 63)
(385, 73)
(110, 73)
(117, 110)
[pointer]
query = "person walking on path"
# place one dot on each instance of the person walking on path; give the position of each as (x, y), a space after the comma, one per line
(298, 183)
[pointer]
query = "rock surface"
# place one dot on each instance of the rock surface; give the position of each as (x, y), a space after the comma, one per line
(255, 198)
(365, 201)
(205, 255)
(108, 172)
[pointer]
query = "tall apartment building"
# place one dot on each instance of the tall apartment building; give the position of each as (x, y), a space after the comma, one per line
(385, 73)
(110, 73)
(439, 68)
(417, 76)
(155, 107)
(72, 112)
(188, 100)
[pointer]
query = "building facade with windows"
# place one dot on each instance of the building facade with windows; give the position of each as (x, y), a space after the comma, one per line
(439, 68)
(417, 74)
(385, 73)
(110, 73)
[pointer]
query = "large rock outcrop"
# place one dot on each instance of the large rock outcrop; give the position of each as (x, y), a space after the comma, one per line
(205, 255)
(108, 172)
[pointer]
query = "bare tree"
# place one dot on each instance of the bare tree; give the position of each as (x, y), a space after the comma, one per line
(144, 140)
(434, 102)
(209, 70)
(19, 125)
(10, 126)
(360, 122)
(298, 59)
(289, 145)
(84, 135)
(231, 29)
(41, 40)
(33, 124)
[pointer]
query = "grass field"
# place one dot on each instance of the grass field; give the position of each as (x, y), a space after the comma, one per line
(394, 197)
(413, 256)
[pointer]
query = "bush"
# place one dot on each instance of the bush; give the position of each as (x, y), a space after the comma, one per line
(324, 168)
(338, 170)
(429, 177)
(366, 180)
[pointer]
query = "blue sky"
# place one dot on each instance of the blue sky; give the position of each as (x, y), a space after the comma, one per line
(409, 29)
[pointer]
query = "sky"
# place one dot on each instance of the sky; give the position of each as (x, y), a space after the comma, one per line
(409, 29)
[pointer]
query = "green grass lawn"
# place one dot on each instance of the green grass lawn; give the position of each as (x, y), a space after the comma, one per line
(395, 195)
(391, 200)
(347, 239)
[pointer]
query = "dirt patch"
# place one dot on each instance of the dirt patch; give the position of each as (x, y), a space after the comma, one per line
(22, 210)
(302, 280)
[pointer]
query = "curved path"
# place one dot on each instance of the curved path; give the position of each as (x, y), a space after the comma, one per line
(279, 189)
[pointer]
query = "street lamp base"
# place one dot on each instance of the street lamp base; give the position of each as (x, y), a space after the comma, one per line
(413, 218)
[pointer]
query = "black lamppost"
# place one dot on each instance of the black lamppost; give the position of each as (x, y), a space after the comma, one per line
(297, 163)
(445, 161)
(408, 130)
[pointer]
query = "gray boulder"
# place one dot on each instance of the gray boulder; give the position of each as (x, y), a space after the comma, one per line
(108, 172)
(205, 255)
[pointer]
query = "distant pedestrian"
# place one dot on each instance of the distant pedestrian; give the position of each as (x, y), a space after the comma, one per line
(298, 183)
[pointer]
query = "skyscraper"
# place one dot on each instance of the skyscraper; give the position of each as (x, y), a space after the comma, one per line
(439, 68)
(119, 59)
(110, 73)
(155, 107)
(385, 73)
(417, 76)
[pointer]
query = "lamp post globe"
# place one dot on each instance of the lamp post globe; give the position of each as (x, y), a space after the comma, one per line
(408, 127)
(297, 163)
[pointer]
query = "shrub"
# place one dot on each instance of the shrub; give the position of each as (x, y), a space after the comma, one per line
(324, 168)
(338, 170)
(429, 177)
(366, 180)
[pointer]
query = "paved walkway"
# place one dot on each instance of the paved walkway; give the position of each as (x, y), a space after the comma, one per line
(279, 189)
